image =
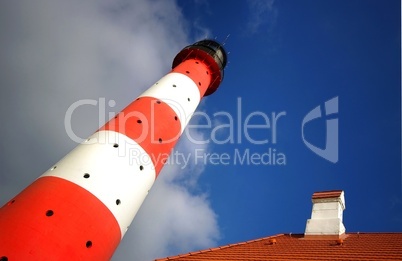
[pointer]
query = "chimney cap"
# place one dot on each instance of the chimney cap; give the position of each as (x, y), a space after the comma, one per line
(327, 194)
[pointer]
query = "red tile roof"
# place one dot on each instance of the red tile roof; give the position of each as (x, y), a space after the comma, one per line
(355, 246)
(327, 194)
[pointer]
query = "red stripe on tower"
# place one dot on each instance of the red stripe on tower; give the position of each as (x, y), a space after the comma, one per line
(82, 207)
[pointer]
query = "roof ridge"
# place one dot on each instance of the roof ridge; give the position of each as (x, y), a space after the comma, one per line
(217, 248)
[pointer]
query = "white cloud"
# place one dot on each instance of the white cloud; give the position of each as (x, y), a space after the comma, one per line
(262, 13)
(57, 52)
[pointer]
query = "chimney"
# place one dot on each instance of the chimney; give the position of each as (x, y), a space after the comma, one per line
(327, 214)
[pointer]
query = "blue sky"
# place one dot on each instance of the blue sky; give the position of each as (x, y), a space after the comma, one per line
(292, 56)
(286, 58)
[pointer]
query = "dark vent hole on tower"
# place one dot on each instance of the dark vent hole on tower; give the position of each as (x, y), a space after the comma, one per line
(88, 244)
(160, 140)
(115, 145)
(118, 201)
(197, 62)
(49, 213)
(54, 167)
(199, 83)
(3, 258)
(187, 72)
(174, 85)
(86, 175)
(175, 118)
(188, 99)
(139, 121)
(158, 102)
(207, 72)
(8, 204)
(141, 167)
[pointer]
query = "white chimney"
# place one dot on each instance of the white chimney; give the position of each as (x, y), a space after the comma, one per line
(327, 214)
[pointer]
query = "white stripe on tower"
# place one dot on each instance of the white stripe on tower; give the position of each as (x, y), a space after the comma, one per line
(114, 168)
(178, 91)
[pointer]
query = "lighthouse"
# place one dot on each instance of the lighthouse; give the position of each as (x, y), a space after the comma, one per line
(82, 206)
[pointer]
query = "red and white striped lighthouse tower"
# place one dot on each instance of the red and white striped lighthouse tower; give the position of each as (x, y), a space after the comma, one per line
(82, 206)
